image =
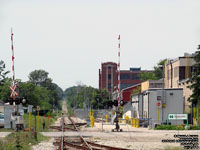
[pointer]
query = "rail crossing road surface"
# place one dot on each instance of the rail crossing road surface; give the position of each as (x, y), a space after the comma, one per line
(132, 138)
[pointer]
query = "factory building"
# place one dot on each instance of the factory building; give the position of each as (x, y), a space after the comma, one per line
(108, 76)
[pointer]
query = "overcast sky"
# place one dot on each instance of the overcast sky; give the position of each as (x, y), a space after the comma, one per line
(71, 38)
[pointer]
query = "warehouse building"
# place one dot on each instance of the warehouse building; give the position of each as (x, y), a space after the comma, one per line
(154, 105)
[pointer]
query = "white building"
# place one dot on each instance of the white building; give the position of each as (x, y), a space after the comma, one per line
(145, 105)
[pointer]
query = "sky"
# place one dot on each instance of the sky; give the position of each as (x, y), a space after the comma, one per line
(71, 38)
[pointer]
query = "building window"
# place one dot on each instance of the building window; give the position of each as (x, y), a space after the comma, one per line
(124, 76)
(181, 73)
(135, 77)
(123, 86)
(109, 76)
(109, 85)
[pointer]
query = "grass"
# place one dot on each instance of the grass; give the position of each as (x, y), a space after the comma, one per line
(24, 140)
(69, 109)
(194, 127)
(5, 130)
(39, 128)
(42, 119)
(20, 141)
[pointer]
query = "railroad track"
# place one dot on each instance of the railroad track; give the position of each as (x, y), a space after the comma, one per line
(65, 143)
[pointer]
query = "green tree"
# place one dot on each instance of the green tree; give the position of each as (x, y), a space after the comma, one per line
(38, 77)
(81, 94)
(41, 79)
(158, 69)
(3, 73)
(144, 76)
(195, 80)
(35, 95)
(4, 89)
(156, 74)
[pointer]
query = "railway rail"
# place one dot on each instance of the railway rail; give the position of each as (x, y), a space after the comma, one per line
(65, 143)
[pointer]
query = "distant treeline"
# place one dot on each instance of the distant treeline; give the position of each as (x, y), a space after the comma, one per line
(83, 96)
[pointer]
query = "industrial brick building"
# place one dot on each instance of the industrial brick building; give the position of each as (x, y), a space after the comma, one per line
(108, 76)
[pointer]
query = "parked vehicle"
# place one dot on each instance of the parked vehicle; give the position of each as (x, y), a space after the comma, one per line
(1, 120)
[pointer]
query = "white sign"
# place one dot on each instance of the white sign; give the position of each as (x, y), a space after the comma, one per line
(30, 108)
(21, 111)
(177, 116)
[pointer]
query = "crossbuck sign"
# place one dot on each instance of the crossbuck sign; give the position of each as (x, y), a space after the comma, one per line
(13, 92)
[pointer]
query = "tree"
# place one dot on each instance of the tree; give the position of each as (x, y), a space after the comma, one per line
(154, 75)
(3, 73)
(195, 80)
(144, 76)
(158, 70)
(78, 95)
(4, 89)
(38, 77)
(35, 95)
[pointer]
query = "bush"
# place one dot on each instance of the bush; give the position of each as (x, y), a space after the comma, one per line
(194, 127)
(170, 127)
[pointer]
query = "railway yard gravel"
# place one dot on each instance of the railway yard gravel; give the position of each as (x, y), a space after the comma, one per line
(130, 138)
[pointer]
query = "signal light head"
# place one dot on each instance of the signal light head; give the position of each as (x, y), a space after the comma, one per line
(115, 103)
(10, 101)
(121, 103)
(23, 100)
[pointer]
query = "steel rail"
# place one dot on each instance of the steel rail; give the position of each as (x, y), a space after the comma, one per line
(80, 134)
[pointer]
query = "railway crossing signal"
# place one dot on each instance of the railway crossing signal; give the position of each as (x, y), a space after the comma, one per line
(17, 101)
(115, 103)
(13, 91)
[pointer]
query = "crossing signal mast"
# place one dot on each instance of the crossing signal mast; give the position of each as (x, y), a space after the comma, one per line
(14, 86)
(14, 99)
(117, 102)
